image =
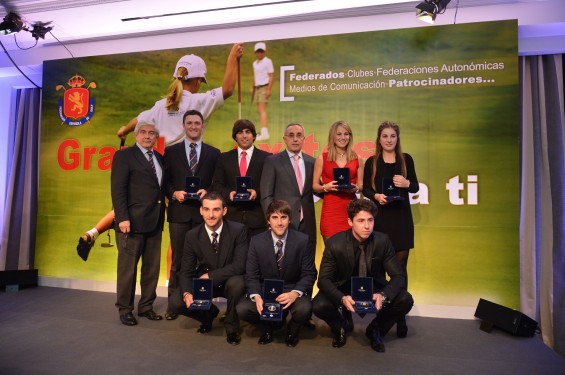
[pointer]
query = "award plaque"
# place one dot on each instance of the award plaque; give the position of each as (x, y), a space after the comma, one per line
(392, 193)
(202, 291)
(272, 310)
(341, 175)
(241, 186)
(362, 294)
(192, 185)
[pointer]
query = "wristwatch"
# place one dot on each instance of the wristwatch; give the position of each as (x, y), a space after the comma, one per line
(385, 298)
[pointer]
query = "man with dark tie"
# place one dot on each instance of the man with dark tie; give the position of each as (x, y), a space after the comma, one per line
(139, 204)
(288, 176)
(285, 254)
(192, 157)
(217, 250)
(245, 160)
(360, 251)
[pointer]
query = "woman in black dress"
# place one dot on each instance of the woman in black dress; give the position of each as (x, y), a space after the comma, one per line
(394, 216)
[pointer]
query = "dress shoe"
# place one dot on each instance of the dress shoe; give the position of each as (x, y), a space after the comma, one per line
(374, 337)
(233, 338)
(151, 315)
(401, 328)
(266, 337)
(128, 319)
(291, 340)
(206, 327)
(169, 315)
(339, 338)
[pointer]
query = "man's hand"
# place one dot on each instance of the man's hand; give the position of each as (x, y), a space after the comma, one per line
(379, 299)
(188, 299)
(253, 194)
(124, 226)
(287, 299)
(205, 276)
(179, 195)
(348, 302)
(201, 193)
(259, 304)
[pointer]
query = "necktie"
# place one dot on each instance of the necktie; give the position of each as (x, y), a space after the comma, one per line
(150, 156)
(192, 161)
(215, 242)
(279, 255)
(298, 180)
(362, 262)
(243, 164)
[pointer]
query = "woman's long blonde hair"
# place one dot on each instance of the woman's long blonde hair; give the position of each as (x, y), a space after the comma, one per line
(174, 93)
(332, 150)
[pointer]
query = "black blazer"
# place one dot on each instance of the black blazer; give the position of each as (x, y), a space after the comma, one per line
(338, 264)
(136, 194)
(176, 170)
(298, 269)
(198, 257)
(227, 169)
(278, 181)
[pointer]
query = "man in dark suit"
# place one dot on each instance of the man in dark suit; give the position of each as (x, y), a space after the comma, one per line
(343, 258)
(288, 176)
(139, 204)
(285, 254)
(192, 157)
(217, 250)
(245, 160)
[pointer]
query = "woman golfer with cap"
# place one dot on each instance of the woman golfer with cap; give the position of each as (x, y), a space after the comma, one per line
(167, 113)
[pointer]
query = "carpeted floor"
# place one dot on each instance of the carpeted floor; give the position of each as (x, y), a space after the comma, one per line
(64, 331)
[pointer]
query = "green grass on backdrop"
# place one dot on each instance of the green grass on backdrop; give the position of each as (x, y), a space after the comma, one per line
(462, 252)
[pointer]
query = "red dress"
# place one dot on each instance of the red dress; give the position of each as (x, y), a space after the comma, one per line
(334, 206)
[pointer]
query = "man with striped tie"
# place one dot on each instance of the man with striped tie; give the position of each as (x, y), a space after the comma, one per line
(139, 203)
(285, 254)
(191, 157)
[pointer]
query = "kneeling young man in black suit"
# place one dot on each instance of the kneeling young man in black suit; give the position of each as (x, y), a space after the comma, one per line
(294, 265)
(217, 250)
(343, 259)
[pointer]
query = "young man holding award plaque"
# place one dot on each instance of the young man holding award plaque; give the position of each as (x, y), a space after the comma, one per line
(352, 256)
(190, 162)
(216, 250)
(280, 260)
(237, 177)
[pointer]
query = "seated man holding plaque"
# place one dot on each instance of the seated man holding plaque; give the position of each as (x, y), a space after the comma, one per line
(237, 177)
(215, 250)
(361, 252)
(279, 274)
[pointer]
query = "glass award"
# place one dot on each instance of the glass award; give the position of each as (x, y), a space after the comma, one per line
(241, 186)
(192, 185)
(392, 193)
(202, 291)
(362, 294)
(272, 310)
(342, 177)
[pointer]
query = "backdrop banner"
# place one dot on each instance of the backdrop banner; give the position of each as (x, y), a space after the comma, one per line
(452, 89)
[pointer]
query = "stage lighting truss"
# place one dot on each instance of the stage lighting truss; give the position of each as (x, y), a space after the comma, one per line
(429, 9)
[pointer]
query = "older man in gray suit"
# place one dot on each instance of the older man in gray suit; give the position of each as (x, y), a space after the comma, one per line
(288, 176)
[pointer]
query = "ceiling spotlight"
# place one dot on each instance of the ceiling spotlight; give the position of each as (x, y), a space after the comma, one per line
(428, 9)
(12, 24)
(40, 29)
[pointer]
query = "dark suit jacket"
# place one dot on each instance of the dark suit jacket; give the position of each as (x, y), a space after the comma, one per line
(198, 257)
(176, 170)
(298, 269)
(338, 264)
(278, 181)
(136, 194)
(227, 169)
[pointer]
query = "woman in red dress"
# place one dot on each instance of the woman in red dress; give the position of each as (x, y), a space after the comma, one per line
(339, 154)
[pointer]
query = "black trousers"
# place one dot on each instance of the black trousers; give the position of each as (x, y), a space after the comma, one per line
(300, 310)
(386, 318)
(177, 233)
(233, 290)
(132, 248)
